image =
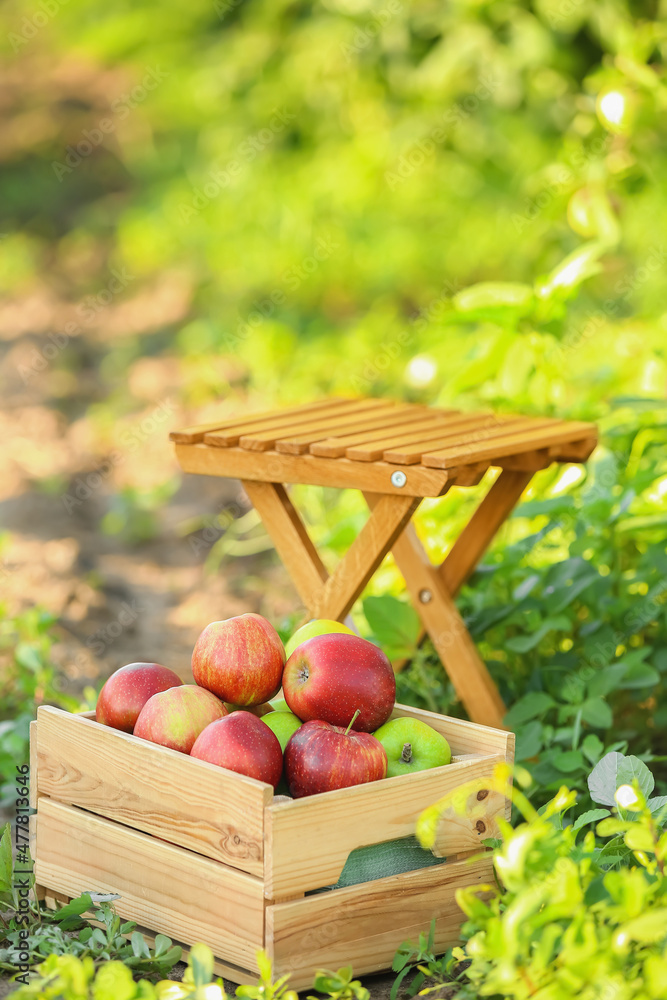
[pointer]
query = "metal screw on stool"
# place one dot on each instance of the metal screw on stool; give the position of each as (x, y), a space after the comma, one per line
(425, 596)
(398, 478)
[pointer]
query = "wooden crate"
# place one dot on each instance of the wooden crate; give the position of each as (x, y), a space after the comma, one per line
(203, 854)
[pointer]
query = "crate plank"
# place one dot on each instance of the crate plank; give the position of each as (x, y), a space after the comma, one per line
(272, 466)
(463, 737)
(166, 888)
(364, 924)
(309, 839)
(151, 788)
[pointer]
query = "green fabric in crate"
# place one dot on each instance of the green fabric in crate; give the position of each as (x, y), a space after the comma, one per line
(393, 857)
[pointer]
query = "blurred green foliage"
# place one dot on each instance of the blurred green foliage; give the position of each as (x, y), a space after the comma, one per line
(462, 204)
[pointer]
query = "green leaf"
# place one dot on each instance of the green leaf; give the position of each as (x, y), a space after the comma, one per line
(114, 982)
(650, 927)
(139, 946)
(74, 908)
(568, 761)
(533, 704)
(6, 862)
(28, 657)
(162, 945)
(658, 805)
(592, 747)
(201, 962)
(395, 623)
(639, 839)
(529, 740)
(639, 675)
(596, 712)
(590, 816)
(577, 267)
(616, 769)
(524, 643)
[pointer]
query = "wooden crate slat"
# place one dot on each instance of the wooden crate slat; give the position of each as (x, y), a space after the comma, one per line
(559, 432)
(410, 453)
(263, 440)
(229, 436)
(274, 467)
(336, 446)
(163, 887)
(151, 788)
(194, 434)
(311, 838)
(463, 737)
(397, 415)
(363, 925)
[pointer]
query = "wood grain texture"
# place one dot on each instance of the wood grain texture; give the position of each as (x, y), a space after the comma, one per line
(166, 888)
(310, 839)
(482, 527)
(463, 737)
(341, 473)
(380, 421)
(192, 435)
(410, 444)
(408, 417)
(410, 452)
(363, 925)
(186, 801)
(444, 624)
(541, 434)
(367, 551)
(263, 440)
(290, 537)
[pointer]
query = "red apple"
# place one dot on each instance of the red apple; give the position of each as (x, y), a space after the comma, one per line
(330, 676)
(240, 659)
(320, 757)
(176, 717)
(241, 742)
(128, 689)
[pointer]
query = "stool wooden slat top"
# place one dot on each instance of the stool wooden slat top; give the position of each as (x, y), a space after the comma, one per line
(396, 454)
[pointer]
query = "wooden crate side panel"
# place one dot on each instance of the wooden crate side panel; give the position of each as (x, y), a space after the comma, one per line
(364, 924)
(463, 737)
(309, 839)
(166, 888)
(147, 787)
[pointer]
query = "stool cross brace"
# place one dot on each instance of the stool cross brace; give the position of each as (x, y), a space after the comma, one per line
(432, 588)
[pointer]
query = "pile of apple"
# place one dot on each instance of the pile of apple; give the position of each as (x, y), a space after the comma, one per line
(329, 730)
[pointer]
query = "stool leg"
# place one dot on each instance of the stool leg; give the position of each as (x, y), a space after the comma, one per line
(477, 535)
(288, 534)
(448, 632)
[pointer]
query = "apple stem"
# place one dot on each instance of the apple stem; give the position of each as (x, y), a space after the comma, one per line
(406, 755)
(358, 712)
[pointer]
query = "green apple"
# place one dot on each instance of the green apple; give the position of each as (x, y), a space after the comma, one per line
(279, 704)
(411, 745)
(283, 725)
(318, 626)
